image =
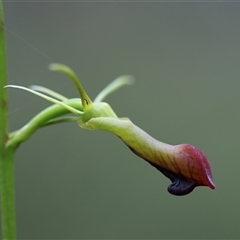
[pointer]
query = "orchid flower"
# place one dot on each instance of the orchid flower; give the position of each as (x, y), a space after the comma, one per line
(185, 165)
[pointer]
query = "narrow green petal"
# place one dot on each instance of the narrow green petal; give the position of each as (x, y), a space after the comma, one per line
(86, 101)
(72, 110)
(113, 86)
(48, 92)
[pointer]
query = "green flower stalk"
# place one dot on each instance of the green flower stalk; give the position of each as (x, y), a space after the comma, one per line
(185, 165)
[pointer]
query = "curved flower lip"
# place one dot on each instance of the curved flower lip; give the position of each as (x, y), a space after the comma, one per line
(189, 170)
(185, 165)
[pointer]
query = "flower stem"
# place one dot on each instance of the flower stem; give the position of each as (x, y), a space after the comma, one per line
(6, 156)
(8, 196)
(44, 118)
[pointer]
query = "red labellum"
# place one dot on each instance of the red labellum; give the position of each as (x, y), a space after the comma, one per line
(194, 165)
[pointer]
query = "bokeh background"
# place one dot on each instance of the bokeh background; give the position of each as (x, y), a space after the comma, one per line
(73, 183)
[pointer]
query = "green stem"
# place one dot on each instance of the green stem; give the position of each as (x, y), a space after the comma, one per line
(44, 118)
(6, 156)
(8, 196)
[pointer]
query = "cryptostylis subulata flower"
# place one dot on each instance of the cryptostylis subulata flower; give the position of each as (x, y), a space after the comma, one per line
(185, 165)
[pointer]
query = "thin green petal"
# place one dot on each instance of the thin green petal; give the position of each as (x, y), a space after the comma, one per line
(113, 86)
(72, 110)
(48, 92)
(86, 101)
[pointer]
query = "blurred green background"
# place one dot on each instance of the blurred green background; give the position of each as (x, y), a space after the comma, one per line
(73, 183)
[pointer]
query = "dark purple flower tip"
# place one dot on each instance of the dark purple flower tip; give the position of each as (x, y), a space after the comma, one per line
(187, 167)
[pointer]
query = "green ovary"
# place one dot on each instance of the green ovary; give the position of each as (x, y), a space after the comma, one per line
(143, 144)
